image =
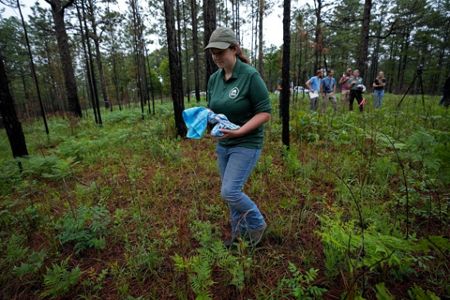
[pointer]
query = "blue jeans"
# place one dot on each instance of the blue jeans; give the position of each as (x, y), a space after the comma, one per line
(235, 165)
(378, 98)
(314, 103)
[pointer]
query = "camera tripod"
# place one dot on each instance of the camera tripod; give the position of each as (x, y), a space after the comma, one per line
(418, 75)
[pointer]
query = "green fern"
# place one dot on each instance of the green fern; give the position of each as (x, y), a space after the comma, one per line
(15, 250)
(342, 245)
(86, 229)
(417, 293)
(211, 255)
(32, 264)
(49, 167)
(59, 280)
(300, 285)
(20, 259)
(382, 293)
(142, 259)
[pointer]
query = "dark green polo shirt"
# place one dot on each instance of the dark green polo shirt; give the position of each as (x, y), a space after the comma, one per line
(239, 98)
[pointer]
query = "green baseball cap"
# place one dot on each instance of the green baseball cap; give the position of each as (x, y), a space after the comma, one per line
(221, 38)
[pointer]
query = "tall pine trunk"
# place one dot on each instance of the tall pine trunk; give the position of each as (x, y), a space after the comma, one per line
(89, 81)
(8, 113)
(186, 55)
(261, 39)
(115, 78)
(209, 14)
(178, 30)
(403, 58)
(363, 51)
(195, 49)
(318, 36)
(392, 55)
(137, 55)
(285, 86)
(93, 81)
(33, 71)
(98, 55)
(176, 79)
(64, 51)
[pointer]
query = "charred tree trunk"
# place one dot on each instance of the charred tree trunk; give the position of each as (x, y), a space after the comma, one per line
(261, 39)
(364, 40)
(285, 86)
(404, 61)
(88, 66)
(98, 55)
(93, 82)
(403, 58)
(150, 79)
(209, 7)
(392, 54)
(176, 79)
(195, 49)
(253, 42)
(238, 21)
(27, 102)
(318, 35)
(115, 78)
(64, 51)
(51, 85)
(374, 64)
(137, 56)
(186, 55)
(9, 116)
(178, 30)
(33, 71)
(305, 51)
(299, 52)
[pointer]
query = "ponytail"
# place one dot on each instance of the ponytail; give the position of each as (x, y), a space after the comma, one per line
(240, 54)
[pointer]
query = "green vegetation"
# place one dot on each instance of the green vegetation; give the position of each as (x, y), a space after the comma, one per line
(357, 209)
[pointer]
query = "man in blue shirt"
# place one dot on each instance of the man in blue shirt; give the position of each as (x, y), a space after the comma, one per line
(328, 89)
(313, 84)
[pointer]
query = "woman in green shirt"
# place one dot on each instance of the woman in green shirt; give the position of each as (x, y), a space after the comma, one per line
(238, 91)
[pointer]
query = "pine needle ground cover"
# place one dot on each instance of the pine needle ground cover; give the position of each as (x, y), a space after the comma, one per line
(357, 208)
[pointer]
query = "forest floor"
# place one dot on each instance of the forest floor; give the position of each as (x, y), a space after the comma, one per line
(357, 208)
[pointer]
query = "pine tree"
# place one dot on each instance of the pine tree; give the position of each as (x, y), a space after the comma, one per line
(58, 8)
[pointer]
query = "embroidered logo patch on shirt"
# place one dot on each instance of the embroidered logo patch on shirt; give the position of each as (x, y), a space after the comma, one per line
(233, 93)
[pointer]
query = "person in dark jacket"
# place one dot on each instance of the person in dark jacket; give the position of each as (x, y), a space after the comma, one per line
(445, 100)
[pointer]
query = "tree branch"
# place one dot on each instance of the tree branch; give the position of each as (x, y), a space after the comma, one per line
(392, 30)
(69, 3)
(8, 3)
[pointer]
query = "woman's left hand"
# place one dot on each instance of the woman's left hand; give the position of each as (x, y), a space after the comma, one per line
(252, 124)
(228, 134)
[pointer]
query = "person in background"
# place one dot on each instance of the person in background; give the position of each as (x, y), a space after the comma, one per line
(356, 90)
(237, 90)
(345, 87)
(313, 85)
(328, 89)
(378, 89)
(445, 100)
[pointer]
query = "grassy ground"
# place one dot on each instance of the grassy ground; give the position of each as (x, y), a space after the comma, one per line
(357, 208)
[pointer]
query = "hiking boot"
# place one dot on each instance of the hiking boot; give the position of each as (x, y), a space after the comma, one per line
(229, 243)
(234, 238)
(254, 236)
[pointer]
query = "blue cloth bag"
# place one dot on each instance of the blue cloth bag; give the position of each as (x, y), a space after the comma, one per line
(197, 118)
(221, 122)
